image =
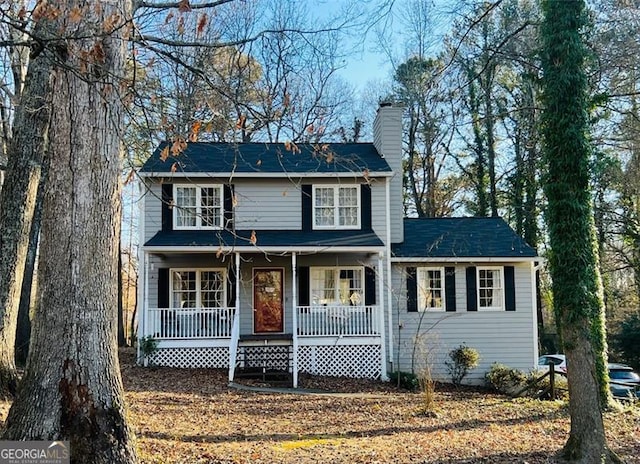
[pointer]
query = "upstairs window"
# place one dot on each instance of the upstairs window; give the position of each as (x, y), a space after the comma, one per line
(490, 289)
(336, 207)
(431, 292)
(198, 207)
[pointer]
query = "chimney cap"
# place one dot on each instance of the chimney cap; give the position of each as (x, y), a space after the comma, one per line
(385, 103)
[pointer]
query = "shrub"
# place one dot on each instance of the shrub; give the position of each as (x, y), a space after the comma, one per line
(505, 379)
(148, 347)
(463, 359)
(405, 380)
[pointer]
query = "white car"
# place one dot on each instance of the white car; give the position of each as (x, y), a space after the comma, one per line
(558, 360)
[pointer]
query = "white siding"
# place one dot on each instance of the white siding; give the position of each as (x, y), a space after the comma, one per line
(265, 204)
(504, 337)
(153, 207)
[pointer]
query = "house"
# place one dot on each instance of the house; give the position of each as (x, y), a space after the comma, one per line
(297, 258)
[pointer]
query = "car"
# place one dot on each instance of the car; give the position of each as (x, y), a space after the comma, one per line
(559, 362)
(624, 382)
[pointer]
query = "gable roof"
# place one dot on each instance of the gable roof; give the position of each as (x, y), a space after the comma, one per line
(271, 158)
(471, 237)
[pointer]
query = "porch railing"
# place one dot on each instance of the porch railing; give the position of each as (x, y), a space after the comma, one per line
(318, 321)
(183, 323)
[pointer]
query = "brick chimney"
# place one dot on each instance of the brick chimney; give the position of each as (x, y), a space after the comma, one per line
(387, 138)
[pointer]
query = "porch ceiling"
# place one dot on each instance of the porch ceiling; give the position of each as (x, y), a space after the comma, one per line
(326, 240)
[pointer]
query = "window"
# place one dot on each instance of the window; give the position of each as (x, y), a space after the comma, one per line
(336, 207)
(490, 289)
(337, 286)
(198, 288)
(198, 207)
(431, 289)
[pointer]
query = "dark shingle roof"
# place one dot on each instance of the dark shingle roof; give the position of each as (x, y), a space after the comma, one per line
(266, 238)
(463, 237)
(200, 157)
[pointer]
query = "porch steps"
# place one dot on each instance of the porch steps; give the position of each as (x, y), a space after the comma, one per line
(267, 357)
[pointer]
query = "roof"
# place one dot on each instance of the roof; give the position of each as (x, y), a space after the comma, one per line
(272, 158)
(289, 239)
(471, 237)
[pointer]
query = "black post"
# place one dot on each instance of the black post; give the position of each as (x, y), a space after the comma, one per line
(552, 381)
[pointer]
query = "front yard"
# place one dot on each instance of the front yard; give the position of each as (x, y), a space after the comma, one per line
(191, 416)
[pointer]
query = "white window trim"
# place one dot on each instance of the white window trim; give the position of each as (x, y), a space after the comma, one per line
(198, 188)
(422, 270)
(337, 268)
(502, 306)
(336, 195)
(198, 271)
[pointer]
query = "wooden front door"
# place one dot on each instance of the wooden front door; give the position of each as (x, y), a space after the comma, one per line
(268, 310)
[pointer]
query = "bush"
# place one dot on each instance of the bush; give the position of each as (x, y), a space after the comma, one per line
(627, 340)
(463, 359)
(504, 379)
(405, 380)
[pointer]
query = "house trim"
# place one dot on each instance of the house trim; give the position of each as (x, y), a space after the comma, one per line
(257, 249)
(465, 260)
(261, 175)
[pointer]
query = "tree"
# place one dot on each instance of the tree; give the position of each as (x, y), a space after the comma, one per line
(71, 390)
(577, 288)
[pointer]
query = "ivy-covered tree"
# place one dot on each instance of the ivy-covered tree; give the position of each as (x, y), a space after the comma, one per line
(577, 287)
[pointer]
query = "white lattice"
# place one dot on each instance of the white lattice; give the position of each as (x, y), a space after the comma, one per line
(214, 357)
(358, 361)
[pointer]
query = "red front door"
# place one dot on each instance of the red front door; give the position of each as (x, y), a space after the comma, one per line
(268, 310)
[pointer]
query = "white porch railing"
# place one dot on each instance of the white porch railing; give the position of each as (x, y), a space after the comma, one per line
(334, 320)
(189, 323)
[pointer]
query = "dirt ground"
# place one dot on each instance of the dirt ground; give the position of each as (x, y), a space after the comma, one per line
(192, 416)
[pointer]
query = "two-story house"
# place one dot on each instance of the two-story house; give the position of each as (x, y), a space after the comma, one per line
(298, 258)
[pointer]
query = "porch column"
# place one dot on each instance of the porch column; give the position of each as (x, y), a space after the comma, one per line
(143, 321)
(294, 298)
(383, 343)
(235, 326)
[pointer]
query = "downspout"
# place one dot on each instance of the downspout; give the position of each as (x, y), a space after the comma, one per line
(294, 298)
(143, 291)
(389, 287)
(235, 327)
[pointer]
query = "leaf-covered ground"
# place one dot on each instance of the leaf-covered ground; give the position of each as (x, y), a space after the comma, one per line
(192, 416)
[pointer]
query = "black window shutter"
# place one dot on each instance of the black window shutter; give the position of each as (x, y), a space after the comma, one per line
(365, 207)
(369, 286)
(163, 288)
(167, 204)
(472, 289)
(450, 288)
(307, 208)
(228, 206)
(509, 288)
(231, 287)
(412, 289)
(303, 286)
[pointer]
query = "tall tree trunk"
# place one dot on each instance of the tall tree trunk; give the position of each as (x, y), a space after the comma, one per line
(577, 288)
(17, 204)
(72, 389)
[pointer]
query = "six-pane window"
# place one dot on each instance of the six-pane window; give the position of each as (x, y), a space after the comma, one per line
(430, 288)
(198, 207)
(337, 286)
(490, 288)
(198, 288)
(336, 207)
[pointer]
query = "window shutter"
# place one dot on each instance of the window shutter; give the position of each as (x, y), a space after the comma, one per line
(163, 288)
(369, 286)
(231, 287)
(228, 206)
(472, 289)
(365, 207)
(509, 288)
(307, 208)
(167, 201)
(303, 286)
(450, 288)
(412, 289)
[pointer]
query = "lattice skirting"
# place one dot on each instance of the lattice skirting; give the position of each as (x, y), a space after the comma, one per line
(278, 357)
(357, 361)
(213, 357)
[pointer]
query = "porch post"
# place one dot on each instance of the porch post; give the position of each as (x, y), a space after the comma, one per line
(294, 298)
(383, 344)
(143, 321)
(235, 326)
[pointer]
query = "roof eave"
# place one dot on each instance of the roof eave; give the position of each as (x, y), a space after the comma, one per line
(265, 249)
(263, 175)
(465, 259)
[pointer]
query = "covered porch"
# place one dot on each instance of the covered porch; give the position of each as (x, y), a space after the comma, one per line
(321, 311)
